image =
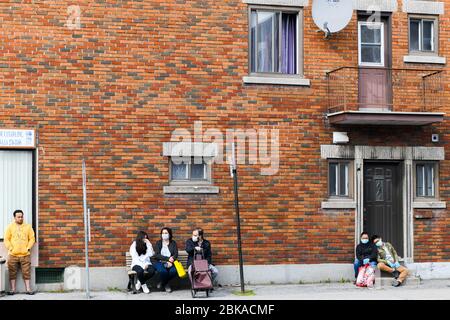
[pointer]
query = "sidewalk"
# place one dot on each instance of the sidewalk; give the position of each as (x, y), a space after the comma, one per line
(427, 290)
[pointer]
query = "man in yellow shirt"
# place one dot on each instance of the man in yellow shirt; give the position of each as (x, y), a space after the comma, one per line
(19, 239)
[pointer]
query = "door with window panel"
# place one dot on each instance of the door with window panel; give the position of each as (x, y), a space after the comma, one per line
(374, 59)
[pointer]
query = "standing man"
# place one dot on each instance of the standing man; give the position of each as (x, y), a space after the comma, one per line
(19, 239)
(388, 261)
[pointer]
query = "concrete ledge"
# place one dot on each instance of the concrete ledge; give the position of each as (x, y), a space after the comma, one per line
(375, 5)
(336, 204)
(189, 149)
(293, 81)
(191, 189)
(286, 3)
(423, 7)
(424, 59)
(102, 278)
(430, 270)
(429, 205)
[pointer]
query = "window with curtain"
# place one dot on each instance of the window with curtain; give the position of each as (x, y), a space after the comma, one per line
(422, 35)
(425, 180)
(273, 41)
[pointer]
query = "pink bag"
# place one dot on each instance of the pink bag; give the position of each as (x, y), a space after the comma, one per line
(366, 276)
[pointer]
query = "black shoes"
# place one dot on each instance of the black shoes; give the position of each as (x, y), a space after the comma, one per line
(397, 283)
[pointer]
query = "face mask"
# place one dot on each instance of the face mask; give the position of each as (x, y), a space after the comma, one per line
(165, 236)
(364, 241)
(195, 238)
(379, 243)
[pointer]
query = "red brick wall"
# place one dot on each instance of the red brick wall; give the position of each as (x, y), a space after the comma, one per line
(115, 89)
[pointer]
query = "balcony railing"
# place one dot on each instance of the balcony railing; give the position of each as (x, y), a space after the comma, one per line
(385, 89)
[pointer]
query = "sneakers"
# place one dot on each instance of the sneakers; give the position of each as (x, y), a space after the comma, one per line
(159, 285)
(145, 288)
(396, 283)
(138, 285)
(168, 288)
(396, 274)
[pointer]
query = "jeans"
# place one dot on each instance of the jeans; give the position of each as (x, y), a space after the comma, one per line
(144, 276)
(165, 274)
(359, 263)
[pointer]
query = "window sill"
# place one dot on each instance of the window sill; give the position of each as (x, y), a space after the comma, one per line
(338, 204)
(430, 204)
(293, 81)
(197, 189)
(424, 59)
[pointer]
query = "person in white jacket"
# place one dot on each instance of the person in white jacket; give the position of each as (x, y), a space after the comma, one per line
(141, 250)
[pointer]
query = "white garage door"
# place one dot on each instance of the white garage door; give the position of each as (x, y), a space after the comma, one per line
(16, 186)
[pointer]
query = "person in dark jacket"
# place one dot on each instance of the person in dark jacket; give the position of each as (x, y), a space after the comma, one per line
(197, 244)
(366, 253)
(166, 252)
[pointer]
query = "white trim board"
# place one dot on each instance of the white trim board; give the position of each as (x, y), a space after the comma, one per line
(424, 59)
(286, 3)
(375, 5)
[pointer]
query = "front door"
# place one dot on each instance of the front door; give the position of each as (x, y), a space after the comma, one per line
(383, 212)
(374, 60)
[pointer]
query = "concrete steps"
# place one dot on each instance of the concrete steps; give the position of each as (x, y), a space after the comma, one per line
(384, 279)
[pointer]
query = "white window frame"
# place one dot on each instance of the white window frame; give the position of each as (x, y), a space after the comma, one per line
(435, 186)
(382, 53)
(299, 42)
(189, 180)
(349, 177)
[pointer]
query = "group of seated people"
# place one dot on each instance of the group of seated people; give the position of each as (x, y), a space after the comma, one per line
(379, 254)
(146, 261)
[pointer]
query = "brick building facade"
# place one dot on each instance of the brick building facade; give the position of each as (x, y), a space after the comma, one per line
(113, 89)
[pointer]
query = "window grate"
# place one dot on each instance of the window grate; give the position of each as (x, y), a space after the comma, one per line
(49, 275)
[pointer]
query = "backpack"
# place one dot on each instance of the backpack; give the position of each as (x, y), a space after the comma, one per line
(366, 276)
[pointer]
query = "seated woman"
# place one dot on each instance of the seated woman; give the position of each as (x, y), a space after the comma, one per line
(166, 253)
(366, 252)
(198, 244)
(141, 250)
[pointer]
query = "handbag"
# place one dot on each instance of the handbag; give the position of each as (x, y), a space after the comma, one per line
(180, 270)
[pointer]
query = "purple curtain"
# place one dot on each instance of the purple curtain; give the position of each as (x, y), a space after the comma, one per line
(288, 44)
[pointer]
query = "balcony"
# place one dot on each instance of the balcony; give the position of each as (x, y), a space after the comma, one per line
(384, 96)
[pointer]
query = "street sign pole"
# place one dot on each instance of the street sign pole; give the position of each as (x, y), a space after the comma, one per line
(238, 218)
(86, 231)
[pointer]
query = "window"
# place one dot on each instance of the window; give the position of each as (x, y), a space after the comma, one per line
(338, 179)
(274, 37)
(189, 170)
(371, 43)
(422, 35)
(425, 180)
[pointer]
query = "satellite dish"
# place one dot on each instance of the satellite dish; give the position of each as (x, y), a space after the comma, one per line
(332, 15)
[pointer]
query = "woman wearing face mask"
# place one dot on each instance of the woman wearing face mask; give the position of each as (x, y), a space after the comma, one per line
(141, 250)
(165, 254)
(366, 253)
(197, 244)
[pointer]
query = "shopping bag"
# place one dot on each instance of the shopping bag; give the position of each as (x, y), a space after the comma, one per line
(366, 276)
(180, 270)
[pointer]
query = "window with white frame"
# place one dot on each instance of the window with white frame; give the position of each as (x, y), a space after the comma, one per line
(423, 34)
(426, 179)
(339, 182)
(371, 43)
(274, 41)
(190, 170)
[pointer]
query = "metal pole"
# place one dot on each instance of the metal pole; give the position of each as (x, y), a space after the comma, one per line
(238, 219)
(86, 231)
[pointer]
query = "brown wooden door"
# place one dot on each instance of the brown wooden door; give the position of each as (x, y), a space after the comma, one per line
(383, 212)
(374, 85)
